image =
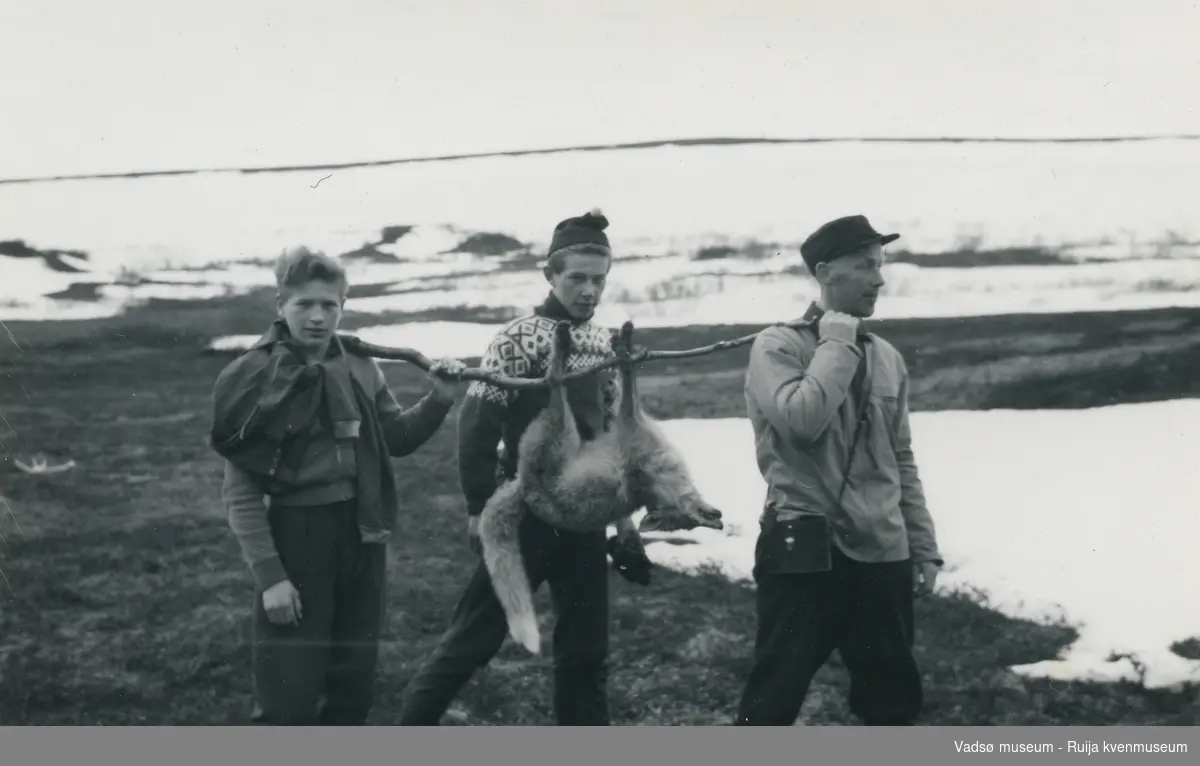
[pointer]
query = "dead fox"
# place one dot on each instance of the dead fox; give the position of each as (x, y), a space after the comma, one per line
(584, 486)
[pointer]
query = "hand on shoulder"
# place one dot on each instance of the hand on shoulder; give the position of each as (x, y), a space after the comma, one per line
(835, 325)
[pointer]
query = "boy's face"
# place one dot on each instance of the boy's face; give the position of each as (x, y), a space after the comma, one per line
(580, 284)
(312, 313)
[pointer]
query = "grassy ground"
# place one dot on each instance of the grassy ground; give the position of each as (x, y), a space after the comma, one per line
(123, 599)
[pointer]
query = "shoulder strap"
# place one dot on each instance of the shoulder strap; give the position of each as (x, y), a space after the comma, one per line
(864, 403)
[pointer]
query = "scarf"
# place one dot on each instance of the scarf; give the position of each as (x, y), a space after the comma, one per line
(552, 308)
(268, 400)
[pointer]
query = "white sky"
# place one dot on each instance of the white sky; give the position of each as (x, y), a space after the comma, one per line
(143, 84)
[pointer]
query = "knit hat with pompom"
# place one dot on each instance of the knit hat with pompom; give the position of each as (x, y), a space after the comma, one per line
(582, 234)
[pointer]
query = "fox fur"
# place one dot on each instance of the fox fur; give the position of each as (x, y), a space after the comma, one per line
(583, 486)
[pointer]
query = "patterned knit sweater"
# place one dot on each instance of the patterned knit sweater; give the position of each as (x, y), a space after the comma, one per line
(491, 415)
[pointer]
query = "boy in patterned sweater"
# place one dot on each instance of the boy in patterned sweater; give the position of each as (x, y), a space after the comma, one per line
(575, 565)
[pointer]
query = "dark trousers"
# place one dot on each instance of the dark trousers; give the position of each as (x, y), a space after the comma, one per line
(333, 652)
(865, 612)
(576, 568)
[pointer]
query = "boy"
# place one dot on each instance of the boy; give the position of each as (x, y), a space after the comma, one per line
(573, 564)
(307, 429)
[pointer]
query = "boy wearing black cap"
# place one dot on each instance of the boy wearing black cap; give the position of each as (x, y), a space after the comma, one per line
(845, 536)
(575, 565)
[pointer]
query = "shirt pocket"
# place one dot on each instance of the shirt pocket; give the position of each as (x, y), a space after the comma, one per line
(885, 398)
(885, 405)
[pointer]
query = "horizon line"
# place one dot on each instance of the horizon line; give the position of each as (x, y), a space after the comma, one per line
(648, 144)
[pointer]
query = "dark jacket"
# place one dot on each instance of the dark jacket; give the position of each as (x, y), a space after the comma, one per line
(294, 435)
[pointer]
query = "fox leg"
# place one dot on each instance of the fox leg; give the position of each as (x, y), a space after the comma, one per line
(559, 404)
(553, 437)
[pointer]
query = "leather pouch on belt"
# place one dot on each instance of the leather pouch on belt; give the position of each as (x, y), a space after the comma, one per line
(797, 545)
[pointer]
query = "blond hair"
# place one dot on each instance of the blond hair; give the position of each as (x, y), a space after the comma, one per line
(299, 266)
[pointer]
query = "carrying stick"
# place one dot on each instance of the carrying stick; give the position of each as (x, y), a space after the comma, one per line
(417, 359)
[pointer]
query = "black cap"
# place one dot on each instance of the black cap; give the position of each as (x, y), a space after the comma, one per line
(587, 229)
(839, 237)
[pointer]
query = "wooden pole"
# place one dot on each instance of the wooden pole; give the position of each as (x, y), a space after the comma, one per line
(417, 359)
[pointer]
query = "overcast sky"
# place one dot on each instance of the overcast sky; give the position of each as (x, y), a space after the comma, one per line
(116, 85)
